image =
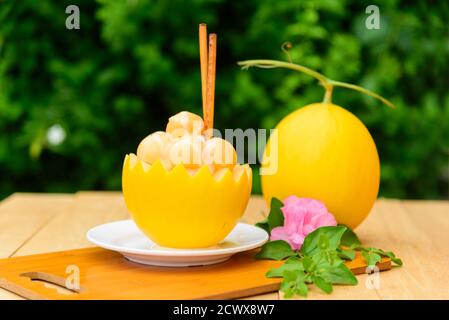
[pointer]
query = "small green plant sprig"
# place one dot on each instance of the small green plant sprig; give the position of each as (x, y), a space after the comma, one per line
(320, 260)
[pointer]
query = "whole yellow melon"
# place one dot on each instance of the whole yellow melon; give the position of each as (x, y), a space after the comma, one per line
(325, 153)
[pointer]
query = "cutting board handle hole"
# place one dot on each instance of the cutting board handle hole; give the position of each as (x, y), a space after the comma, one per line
(51, 281)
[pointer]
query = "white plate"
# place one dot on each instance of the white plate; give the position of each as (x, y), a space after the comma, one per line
(124, 237)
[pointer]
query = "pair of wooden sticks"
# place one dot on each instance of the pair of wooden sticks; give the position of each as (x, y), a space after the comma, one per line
(208, 59)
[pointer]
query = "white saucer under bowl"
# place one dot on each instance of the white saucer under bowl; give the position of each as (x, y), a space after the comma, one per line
(124, 237)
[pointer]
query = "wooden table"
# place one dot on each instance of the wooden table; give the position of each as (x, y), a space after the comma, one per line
(417, 231)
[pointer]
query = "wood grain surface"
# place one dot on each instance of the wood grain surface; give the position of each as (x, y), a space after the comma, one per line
(104, 274)
(416, 231)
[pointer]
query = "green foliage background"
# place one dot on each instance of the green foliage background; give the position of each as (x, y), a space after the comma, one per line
(134, 63)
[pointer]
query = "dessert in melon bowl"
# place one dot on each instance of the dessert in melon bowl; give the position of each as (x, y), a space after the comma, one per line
(184, 190)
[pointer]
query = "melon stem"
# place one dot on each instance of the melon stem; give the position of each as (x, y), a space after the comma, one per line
(362, 90)
(326, 82)
(328, 94)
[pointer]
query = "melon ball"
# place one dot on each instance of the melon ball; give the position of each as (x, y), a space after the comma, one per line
(152, 147)
(184, 123)
(220, 153)
(187, 151)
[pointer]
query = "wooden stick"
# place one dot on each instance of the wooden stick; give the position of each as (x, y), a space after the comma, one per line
(203, 62)
(211, 80)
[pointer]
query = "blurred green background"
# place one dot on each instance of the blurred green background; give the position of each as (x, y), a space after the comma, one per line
(73, 102)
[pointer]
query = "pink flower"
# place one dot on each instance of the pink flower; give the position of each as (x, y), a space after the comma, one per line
(301, 217)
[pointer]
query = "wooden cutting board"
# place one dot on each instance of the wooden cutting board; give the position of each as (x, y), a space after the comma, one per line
(107, 275)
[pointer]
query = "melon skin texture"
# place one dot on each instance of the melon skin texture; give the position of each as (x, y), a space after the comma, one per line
(326, 153)
(178, 210)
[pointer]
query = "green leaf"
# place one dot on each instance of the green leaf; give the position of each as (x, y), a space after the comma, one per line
(275, 217)
(388, 254)
(314, 239)
(264, 225)
(290, 276)
(371, 258)
(291, 264)
(288, 284)
(322, 284)
(294, 283)
(323, 242)
(346, 254)
(287, 289)
(349, 238)
(339, 274)
(392, 256)
(308, 264)
(396, 261)
(301, 288)
(275, 250)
